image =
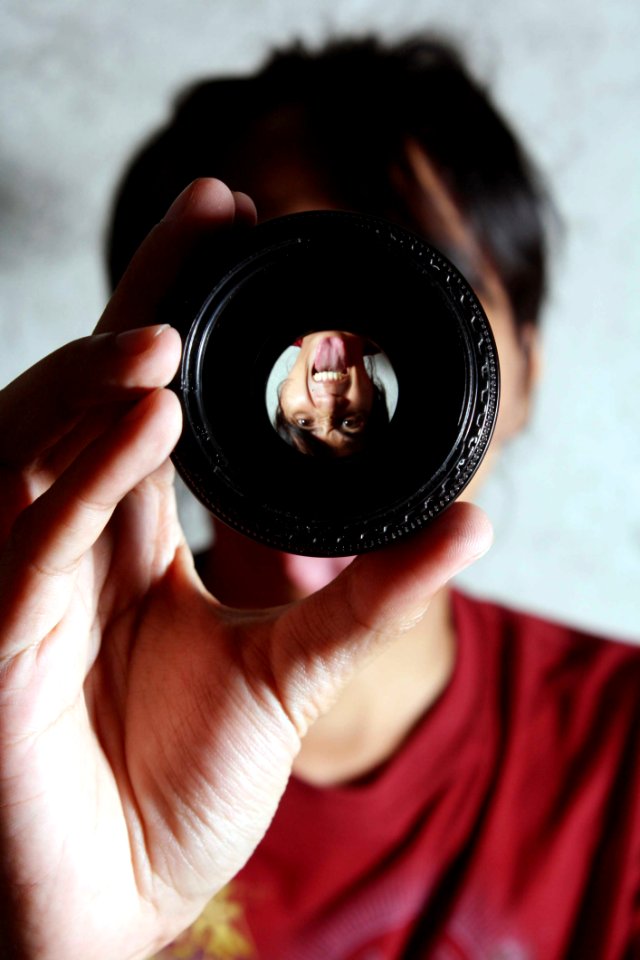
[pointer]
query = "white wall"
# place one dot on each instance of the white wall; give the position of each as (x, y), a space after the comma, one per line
(82, 83)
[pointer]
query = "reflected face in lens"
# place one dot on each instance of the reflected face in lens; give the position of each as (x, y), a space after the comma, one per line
(329, 392)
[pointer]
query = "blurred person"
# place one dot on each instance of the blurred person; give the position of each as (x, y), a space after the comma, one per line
(468, 791)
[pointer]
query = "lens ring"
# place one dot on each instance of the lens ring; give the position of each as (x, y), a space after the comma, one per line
(238, 308)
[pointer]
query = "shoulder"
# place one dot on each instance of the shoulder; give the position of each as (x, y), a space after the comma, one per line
(548, 641)
(591, 683)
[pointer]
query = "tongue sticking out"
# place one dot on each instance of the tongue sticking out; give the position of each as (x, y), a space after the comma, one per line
(331, 354)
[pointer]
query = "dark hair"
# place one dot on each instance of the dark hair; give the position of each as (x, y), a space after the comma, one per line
(352, 112)
(305, 441)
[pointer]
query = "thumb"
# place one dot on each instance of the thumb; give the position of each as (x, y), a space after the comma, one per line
(318, 643)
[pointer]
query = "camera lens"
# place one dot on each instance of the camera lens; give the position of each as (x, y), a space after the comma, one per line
(339, 382)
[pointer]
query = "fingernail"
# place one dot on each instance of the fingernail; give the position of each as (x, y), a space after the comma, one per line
(246, 213)
(473, 558)
(482, 546)
(135, 341)
(180, 204)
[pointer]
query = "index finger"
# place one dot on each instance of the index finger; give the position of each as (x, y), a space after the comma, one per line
(45, 402)
(206, 206)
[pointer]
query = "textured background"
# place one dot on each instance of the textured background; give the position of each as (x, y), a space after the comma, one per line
(82, 83)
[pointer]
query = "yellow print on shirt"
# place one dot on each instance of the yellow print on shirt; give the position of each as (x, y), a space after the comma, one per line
(215, 935)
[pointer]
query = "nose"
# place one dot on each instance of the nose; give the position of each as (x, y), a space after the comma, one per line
(324, 422)
(327, 401)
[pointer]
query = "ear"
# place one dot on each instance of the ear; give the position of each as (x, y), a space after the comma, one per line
(521, 363)
(530, 344)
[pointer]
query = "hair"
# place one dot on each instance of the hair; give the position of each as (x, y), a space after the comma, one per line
(305, 441)
(355, 112)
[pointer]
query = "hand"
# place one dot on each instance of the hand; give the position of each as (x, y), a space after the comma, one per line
(147, 732)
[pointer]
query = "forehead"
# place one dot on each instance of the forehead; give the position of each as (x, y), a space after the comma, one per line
(278, 163)
(289, 166)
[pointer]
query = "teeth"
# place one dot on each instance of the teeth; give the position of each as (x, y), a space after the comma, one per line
(320, 376)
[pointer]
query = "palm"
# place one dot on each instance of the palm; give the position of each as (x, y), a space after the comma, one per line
(186, 686)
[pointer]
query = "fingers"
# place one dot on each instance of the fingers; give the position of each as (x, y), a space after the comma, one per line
(52, 536)
(319, 642)
(47, 401)
(205, 207)
(246, 212)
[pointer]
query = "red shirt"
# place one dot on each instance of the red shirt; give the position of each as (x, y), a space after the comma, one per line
(506, 828)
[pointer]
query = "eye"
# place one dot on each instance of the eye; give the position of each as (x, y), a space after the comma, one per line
(305, 422)
(353, 424)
